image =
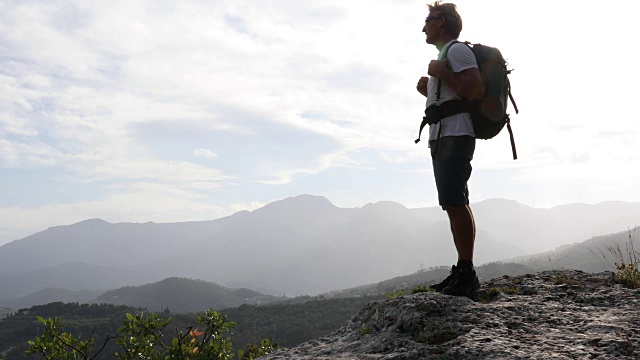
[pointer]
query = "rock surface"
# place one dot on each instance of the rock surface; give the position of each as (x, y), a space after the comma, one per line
(549, 315)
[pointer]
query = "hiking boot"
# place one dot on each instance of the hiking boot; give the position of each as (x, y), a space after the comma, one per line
(444, 283)
(465, 283)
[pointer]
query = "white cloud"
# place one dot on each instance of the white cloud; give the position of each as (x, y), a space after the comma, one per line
(204, 153)
(21, 155)
(338, 159)
(86, 81)
(146, 202)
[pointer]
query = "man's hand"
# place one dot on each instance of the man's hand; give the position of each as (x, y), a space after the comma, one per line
(466, 83)
(422, 85)
(438, 67)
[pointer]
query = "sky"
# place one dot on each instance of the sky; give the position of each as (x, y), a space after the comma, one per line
(166, 111)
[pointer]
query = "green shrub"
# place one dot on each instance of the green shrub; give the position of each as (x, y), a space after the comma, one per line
(257, 349)
(628, 275)
(394, 294)
(511, 290)
(55, 344)
(565, 280)
(420, 289)
(626, 267)
(627, 272)
(142, 337)
(487, 295)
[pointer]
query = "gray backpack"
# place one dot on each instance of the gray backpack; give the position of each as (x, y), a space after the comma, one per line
(489, 114)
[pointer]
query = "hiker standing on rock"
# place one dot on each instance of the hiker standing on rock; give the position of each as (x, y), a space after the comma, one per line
(453, 78)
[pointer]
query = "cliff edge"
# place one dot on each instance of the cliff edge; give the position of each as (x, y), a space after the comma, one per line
(548, 315)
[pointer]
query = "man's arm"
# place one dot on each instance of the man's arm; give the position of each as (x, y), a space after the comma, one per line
(467, 83)
(422, 86)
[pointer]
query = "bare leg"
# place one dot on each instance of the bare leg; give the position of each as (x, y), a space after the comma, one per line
(463, 228)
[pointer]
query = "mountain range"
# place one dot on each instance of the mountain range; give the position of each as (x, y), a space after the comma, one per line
(299, 245)
(187, 295)
(183, 296)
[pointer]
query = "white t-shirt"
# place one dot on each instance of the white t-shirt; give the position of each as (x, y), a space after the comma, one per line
(460, 58)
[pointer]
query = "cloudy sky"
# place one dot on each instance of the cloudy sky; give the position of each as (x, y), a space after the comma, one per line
(154, 110)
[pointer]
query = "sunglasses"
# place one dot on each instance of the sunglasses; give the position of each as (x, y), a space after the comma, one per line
(432, 17)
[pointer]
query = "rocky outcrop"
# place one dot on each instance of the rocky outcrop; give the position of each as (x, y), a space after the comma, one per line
(549, 315)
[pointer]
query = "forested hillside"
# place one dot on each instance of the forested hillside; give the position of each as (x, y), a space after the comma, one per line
(295, 323)
(81, 319)
(592, 255)
(287, 324)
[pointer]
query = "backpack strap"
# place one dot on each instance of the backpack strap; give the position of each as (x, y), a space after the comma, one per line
(513, 143)
(422, 125)
(434, 113)
(425, 119)
(515, 107)
(513, 101)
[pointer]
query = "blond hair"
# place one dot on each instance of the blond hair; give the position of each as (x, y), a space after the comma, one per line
(450, 13)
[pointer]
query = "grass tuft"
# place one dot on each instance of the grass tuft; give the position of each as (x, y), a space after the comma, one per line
(420, 289)
(565, 280)
(511, 290)
(626, 262)
(365, 330)
(394, 294)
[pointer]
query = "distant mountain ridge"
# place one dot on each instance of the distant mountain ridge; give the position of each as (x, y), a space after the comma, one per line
(45, 296)
(183, 295)
(299, 245)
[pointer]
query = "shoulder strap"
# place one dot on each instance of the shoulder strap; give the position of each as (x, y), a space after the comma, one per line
(444, 56)
(446, 50)
(424, 119)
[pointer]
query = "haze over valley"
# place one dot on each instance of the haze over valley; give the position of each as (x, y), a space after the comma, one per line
(302, 245)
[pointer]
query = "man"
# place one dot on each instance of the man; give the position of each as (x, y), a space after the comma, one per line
(451, 136)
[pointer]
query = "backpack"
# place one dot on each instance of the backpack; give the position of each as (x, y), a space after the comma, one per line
(489, 114)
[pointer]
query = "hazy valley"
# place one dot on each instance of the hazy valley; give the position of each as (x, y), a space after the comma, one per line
(251, 264)
(297, 246)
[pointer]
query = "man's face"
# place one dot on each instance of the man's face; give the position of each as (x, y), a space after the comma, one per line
(432, 27)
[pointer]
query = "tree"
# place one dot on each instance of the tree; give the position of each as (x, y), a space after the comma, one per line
(57, 345)
(143, 337)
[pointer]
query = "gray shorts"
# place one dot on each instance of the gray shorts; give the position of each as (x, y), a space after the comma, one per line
(451, 157)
